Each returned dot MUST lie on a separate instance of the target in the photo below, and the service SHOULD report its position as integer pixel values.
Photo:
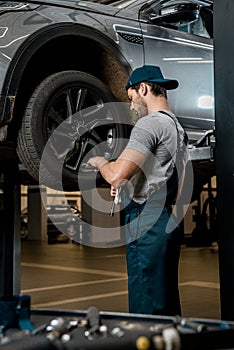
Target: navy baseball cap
(150, 74)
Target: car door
(178, 38)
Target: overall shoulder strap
(185, 138)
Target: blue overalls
(153, 255)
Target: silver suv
(66, 62)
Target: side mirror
(177, 14)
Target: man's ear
(143, 89)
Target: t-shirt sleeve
(142, 138)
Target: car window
(193, 17)
(203, 26)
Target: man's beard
(135, 115)
(142, 109)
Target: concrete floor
(75, 277)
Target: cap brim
(168, 84)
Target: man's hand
(117, 173)
(97, 162)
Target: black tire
(60, 96)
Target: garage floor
(70, 276)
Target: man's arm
(120, 171)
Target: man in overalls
(147, 171)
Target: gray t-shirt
(155, 136)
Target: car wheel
(75, 112)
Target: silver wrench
(116, 201)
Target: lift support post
(10, 244)
(224, 107)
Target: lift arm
(202, 150)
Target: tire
(77, 105)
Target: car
(64, 222)
(65, 63)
